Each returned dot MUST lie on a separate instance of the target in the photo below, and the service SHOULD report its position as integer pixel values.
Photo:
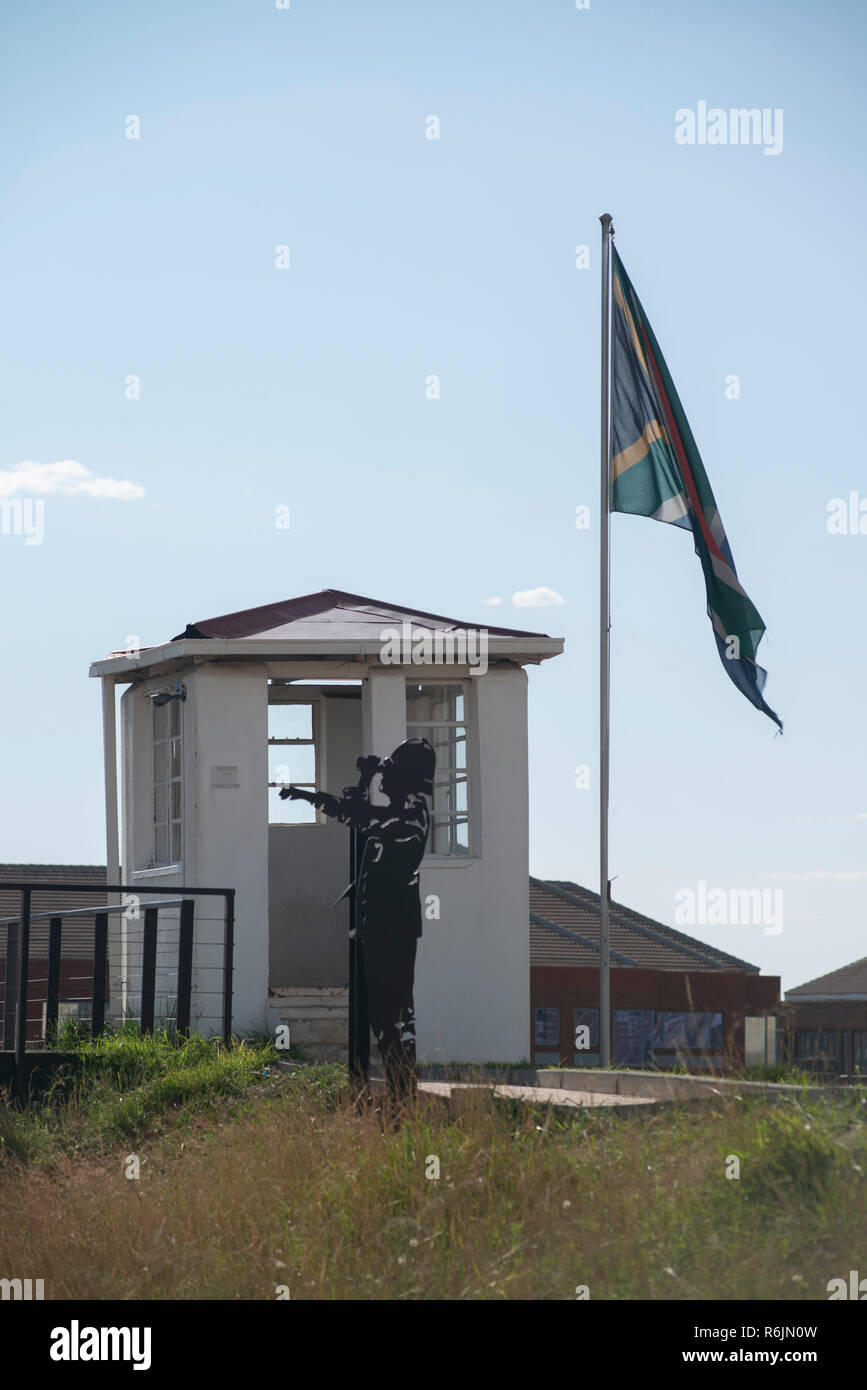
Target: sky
(169, 382)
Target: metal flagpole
(604, 652)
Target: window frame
(546, 1042)
(688, 1048)
(587, 1057)
(295, 697)
(171, 822)
(817, 1053)
(416, 728)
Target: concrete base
(463, 1096)
(318, 1020)
(650, 1085)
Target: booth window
(439, 714)
(168, 799)
(292, 757)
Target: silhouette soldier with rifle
(387, 892)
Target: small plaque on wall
(224, 777)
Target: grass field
(255, 1182)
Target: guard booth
(215, 720)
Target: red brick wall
(730, 993)
(842, 1017)
(76, 982)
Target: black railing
(359, 1027)
(18, 993)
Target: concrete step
(318, 1019)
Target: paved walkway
(539, 1095)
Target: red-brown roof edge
(308, 604)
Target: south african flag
(657, 471)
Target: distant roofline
(646, 926)
(817, 988)
(796, 998)
(47, 868)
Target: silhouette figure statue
(387, 888)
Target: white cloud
(836, 820)
(68, 477)
(492, 602)
(822, 876)
(537, 598)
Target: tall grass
(120, 1085)
(286, 1184)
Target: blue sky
(305, 388)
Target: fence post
(148, 970)
(10, 994)
(185, 968)
(23, 975)
(228, 963)
(52, 988)
(359, 1025)
(100, 956)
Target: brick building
(674, 1000)
(826, 1028)
(76, 954)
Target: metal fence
(162, 952)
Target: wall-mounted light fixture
(168, 693)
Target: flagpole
(604, 652)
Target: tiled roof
(77, 935)
(330, 613)
(564, 930)
(849, 979)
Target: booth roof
(331, 615)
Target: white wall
(228, 825)
(224, 726)
(472, 992)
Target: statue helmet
(413, 761)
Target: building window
(859, 1050)
(588, 1018)
(546, 1031)
(815, 1044)
(828, 1043)
(168, 772)
(292, 757)
(633, 1037)
(588, 1054)
(689, 1032)
(439, 714)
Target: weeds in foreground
(285, 1185)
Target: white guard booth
(294, 692)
